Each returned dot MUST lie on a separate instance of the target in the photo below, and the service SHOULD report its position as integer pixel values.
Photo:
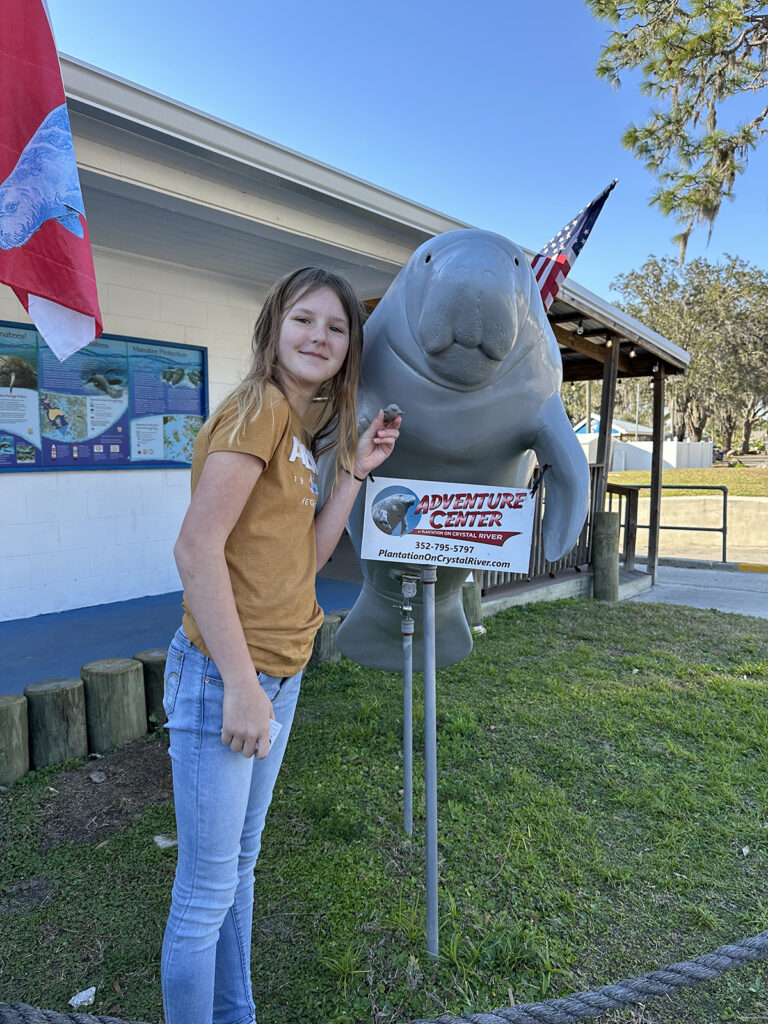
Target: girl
(247, 554)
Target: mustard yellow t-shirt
(271, 549)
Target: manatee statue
(43, 185)
(461, 341)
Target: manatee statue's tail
(369, 633)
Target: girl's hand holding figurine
(376, 444)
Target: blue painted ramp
(57, 645)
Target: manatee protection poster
(114, 404)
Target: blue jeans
(221, 802)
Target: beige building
(191, 220)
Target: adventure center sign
(463, 525)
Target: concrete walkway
(726, 590)
(54, 646)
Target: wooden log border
(15, 747)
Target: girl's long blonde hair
(337, 420)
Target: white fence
(637, 454)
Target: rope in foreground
(552, 1011)
(635, 990)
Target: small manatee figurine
(462, 341)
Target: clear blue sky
(488, 111)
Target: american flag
(552, 264)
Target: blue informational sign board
(119, 403)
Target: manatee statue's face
(466, 295)
(18, 216)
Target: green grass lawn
(603, 786)
(748, 482)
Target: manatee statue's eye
(428, 257)
(517, 262)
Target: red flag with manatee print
(45, 250)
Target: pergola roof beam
(600, 353)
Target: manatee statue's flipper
(370, 633)
(567, 480)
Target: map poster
(114, 404)
(167, 402)
(84, 406)
(464, 525)
(19, 404)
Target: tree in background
(634, 400)
(656, 295)
(694, 56)
(743, 385)
(719, 314)
(626, 405)
(573, 395)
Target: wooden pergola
(598, 341)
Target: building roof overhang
(585, 326)
(164, 181)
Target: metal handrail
(630, 493)
(622, 491)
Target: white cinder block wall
(77, 538)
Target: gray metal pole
(407, 624)
(428, 579)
